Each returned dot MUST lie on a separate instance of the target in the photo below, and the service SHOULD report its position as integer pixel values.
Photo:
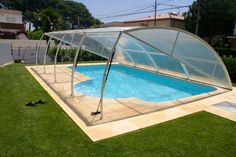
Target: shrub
(230, 63)
(17, 61)
(35, 35)
(67, 55)
(222, 41)
(226, 52)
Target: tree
(76, 15)
(217, 17)
(53, 14)
(49, 20)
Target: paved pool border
(114, 128)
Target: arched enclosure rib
(55, 57)
(74, 63)
(106, 74)
(37, 51)
(45, 55)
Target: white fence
(5, 54)
(22, 49)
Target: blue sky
(104, 8)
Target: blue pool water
(125, 82)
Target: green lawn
(47, 131)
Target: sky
(102, 9)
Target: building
(167, 20)
(113, 24)
(11, 24)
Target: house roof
(13, 26)
(159, 17)
(7, 11)
(15, 31)
(112, 24)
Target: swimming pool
(125, 82)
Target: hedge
(228, 55)
(230, 63)
(34, 35)
(226, 51)
(67, 55)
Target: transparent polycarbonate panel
(67, 38)
(219, 73)
(162, 39)
(198, 55)
(128, 58)
(206, 66)
(76, 39)
(106, 52)
(136, 51)
(104, 30)
(102, 41)
(196, 76)
(168, 65)
(57, 36)
(139, 58)
(92, 46)
(129, 43)
(192, 51)
(105, 41)
(122, 57)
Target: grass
(234, 84)
(47, 131)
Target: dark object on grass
(95, 113)
(41, 102)
(17, 61)
(33, 104)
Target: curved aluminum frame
(37, 51)
(45, 55)
(74, 63)
(55, 57)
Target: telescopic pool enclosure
(165, 50)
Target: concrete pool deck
(122, 115)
